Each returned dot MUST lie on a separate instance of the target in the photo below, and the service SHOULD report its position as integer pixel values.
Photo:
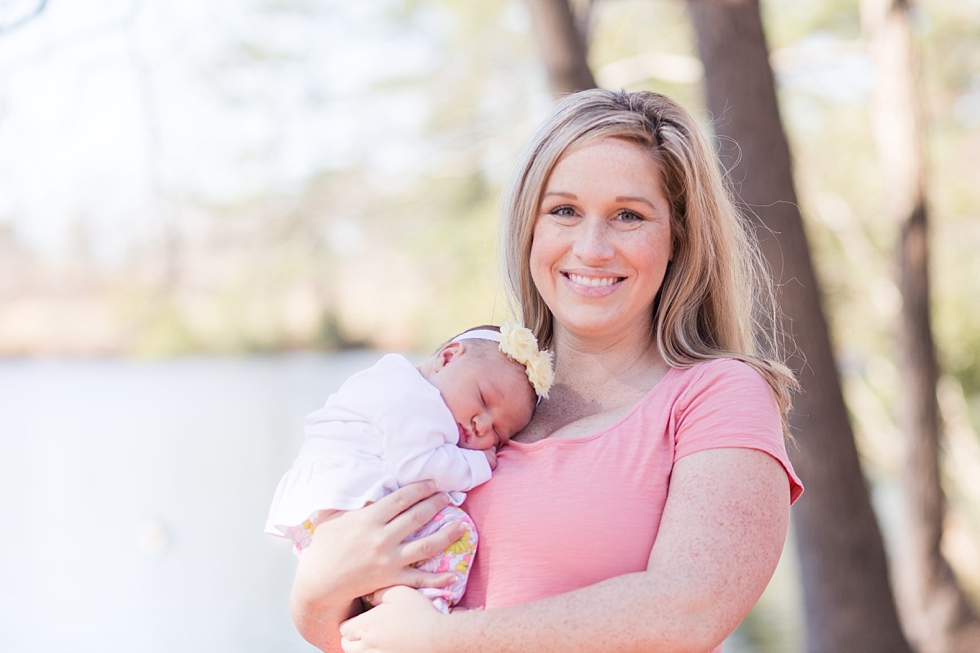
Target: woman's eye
(563, 211)
(629, 216)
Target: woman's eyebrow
(631, 198)
(561, 193)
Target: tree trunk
(935, 611)
(562, 46)
(847, 594)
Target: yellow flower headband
(520, 345)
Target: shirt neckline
(592, 436)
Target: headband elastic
(478, 334)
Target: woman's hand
(356, 553)
(403, 621)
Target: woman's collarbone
(570, 419)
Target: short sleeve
(731, 405)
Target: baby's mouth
(464, 434)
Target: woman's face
(602, 240)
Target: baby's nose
(481, 423)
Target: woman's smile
(591, 285)
(592, 282)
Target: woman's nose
(592, 244)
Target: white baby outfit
(386, 427)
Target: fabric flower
(540, 373)
(520, 344)
(517, 342)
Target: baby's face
(488, 394)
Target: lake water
(133, 496)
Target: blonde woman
(645, 506)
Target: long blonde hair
(716, 300)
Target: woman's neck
(627, 358)
(596, 383)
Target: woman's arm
(722, 531)
(356, 553)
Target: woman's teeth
(595, 282)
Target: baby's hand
(491, 454)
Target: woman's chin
(601, 325)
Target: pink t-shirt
(564, 513)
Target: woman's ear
(448, 353)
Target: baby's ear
(449, 352)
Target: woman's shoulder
(723, 387)
(717, 376)
(716, 396)
(727, 403)
(724, 398)
(720, 367)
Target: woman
(645, 506)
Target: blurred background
(213, 212)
